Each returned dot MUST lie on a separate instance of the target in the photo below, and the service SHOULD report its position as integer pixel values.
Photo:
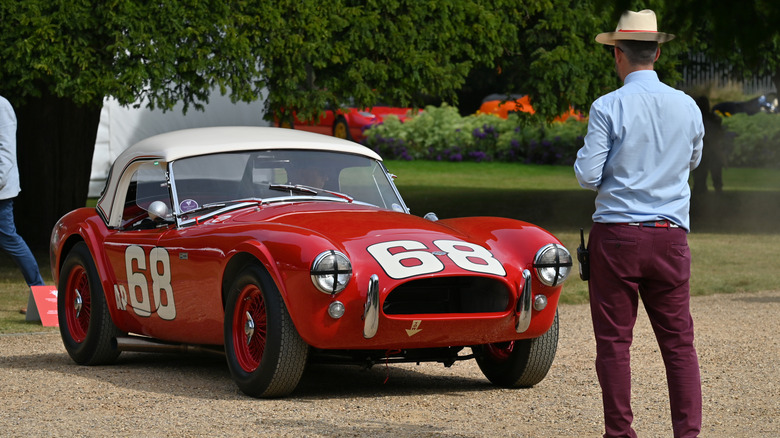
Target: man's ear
(657, 53)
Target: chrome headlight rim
(559, 266)
(331, 271)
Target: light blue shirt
(643, 140)
(9, 173)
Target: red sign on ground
(46, 302)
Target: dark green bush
(755, 140)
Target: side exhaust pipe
(148, 345)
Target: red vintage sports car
(278, 247)
(348, 123)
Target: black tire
(86, 327)
(268, 360)
(519, 364)
(341, 128)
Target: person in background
(643, 141)
(713, 155)
(10, 241)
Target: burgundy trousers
(626, 262)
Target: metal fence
(701, 72)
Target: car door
(143, 291)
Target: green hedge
(755, 140)
(442, 134)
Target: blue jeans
(15, 246)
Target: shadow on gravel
(760, 300)
(207, 376)
(349, 381)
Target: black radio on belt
(584, 258)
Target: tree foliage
(744, 35)
(62, 57)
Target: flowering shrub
(442, 134)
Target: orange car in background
(501, 105)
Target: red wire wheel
(78, 303)
(87, 331)
(250, 328)
(500, 351)
(265, 354)
(518, 364)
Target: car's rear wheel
(519, 364)
(86, 328)
(341, 128)
(265, 354)
(286, 121)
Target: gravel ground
(45, 394)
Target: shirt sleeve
(7, 142)
(698, 140)
(591, 158)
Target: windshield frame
(377, 171)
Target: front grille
(448, 295)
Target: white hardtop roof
(203, 141)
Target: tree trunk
(55, 143)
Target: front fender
(517, 242)
(287, 259)
(81, 225)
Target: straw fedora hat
(637, 26)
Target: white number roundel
(138, 285)
(471, 257)
(409, 258)
(408, 263)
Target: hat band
(623, 30)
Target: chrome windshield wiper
(220, 207)
(293, 188)
(205, 207)
(308, 190)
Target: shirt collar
(641, 75)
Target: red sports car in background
(347, 123)
(278, 248)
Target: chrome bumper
(371, 309)
(524, 304)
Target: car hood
(346, 223)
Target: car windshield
(211, 182)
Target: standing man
(10, 241)
(642, 142)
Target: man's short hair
(638, 52)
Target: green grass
(13, 295)
(734, 238)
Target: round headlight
(331, 272)
(553, 264)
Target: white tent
(123, 126)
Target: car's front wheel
(265, 353)
(519, 364)
(86, 327)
